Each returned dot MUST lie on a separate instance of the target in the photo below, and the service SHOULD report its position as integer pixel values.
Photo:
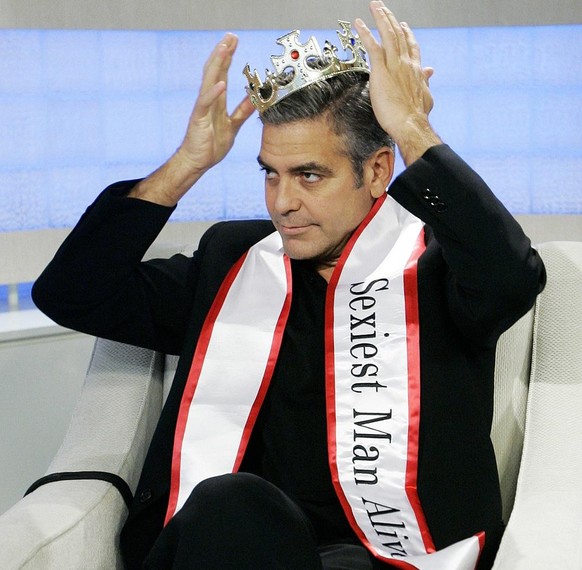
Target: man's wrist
(169, 183)
(414, 138)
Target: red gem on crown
(294, 54)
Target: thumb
(242, 112)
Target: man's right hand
(210, 134)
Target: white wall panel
(241, 14)
(40, 380)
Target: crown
(304, 64)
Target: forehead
(300, 140)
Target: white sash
(372, 383)
(373, 391)
(231, 369)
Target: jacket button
(428, 194)
(434, 200)
(145, 496)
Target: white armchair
(537, 433)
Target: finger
(208, 98)
(228, 42)
(412, 44)
(373, 48)
(242, 112)
(212, 94)
(218, 63)
(389, 28)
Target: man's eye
(311, 177)
(269, 174)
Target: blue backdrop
(81, 109)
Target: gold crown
(294, 69)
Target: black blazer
(477, 276)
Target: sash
(373, 392)
(372, 383)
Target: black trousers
(242, 522)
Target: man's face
(310, 190)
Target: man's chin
(298, 253)
(304, 254)
(298, 256)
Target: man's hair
(344, 100)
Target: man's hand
(399, 90)
(211, 131)
(210, 134)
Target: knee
(230, 484)
(228, 489)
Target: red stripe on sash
(413, 344)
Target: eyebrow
(306, 167)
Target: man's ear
(378, 171)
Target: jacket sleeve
(98, 284)
(494, 275)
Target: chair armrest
(544, 527)
(76, 524)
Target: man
(332, 406)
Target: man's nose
(287, 199)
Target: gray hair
(344, 100)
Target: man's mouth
(293, 230)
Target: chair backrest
(170, 365)
(512, 373)
(521, 345)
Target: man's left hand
(399, 89)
